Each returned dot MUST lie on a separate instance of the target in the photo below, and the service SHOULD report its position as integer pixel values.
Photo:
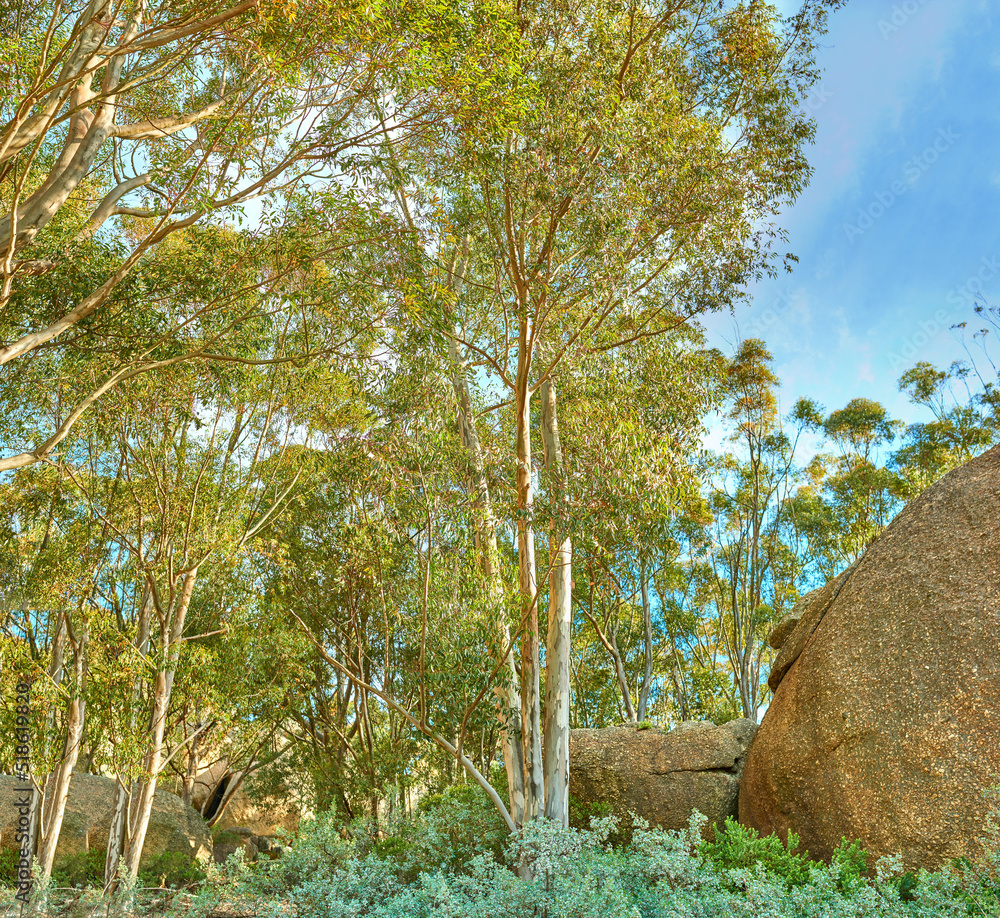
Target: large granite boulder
(174, 827)
(885, 723)
(661, 776)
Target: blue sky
(900, 226)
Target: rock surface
(173, 826)
(793, 633)
(885, 723)
(661, 776)
(782, 631)
(264, 817)
(241, 838)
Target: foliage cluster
(736, 847)
(272, 493)
(578, 873)
(170, 870)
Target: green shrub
(741, 847)
(580, 813)
(9, 860)
(170, 870)
(906, 887)
(85, 868)
(447, 832)
(576, 873)
(852, 861)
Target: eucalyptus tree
(851, 494)
(963, 423)
(755, 576)
(381, 568)
(632, 476)
(203, 464)
(636, 186)
(232, 686)
(854, 493)
(123, 122)
(700, 684)
(193, 270)
(352, 576)
(54, 554)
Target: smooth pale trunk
(509, 701)
(42, 789)
(116, 833)
(647, 643)
(558, 639)
(124, 791)
(142, 805)
(531, 724)
(622, 678)
(57, 790)
(508, 698)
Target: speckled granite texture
(885, 727)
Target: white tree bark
(531, 723)
(558, 645)
(57, 786)
(170, 645)
(124, 789)
(507, 695)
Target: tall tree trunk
(616, 655)
(647, 642)
(57, 790)
(57, 655)
(558, 639)
(116, 833)
(170, 646)
(531, 726)
(124, 789)
(508, 697)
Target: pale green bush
(578, 874)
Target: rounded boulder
(885, 723)
(174, 827)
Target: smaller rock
(174, 827)
(222, 851)
(661, 777)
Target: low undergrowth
(453, 859)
